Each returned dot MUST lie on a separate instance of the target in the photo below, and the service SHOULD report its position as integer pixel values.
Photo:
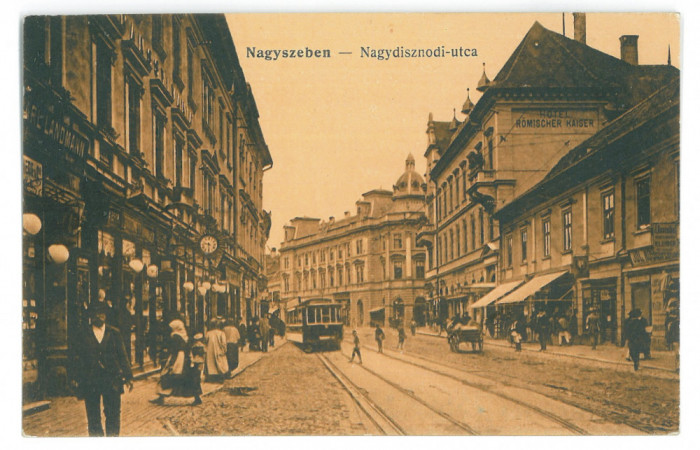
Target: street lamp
(136, 265)
(152, 271)
(58, 253)
(31, 223)
(188, 286)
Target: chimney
(628, 49)
(580, 27)
(347, 214)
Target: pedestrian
(564, 336)
(232, 337)
(102, 371)
(413, 327)
(542, 329)
(243, 332)
(593, 327)
(216, 366)
(635, 335)
(573, 327)
(672, 323)
(178, 377)
(402, 337)
(199, 355)
(518, 331)
(264, 332)
(356, 348)
(254, 335)
(379, 337)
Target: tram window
(325, 314)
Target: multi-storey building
(551, 94)
(272, 295)
(143, 163)
(601, 230)
(368, 261)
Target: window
(398, 242)
(360, 273)
(608, 215)
(464, 232)
(207, 100)
(523, 244)
(546, 237)
(331, 277)
(306, 259)
(567, 228)
(472, 225)
(643, 203)
(331, 255)
(491, 228)
(178, 163)
(464, 187)
(420, 269)
(340, 252)
(190, 71)
(177, 51)
(458, 241)
(103, 88)
(159, 143)
(323, 256)
(488, 164)
(193, 172)
(451, 196)
(452, 245)
(358, 246)
(158, 31)
(134, 116)
(398, 270)
(286, 262)
(313, 258)
(340, 276)
(481, 227)
(313, 280)
(509, 251)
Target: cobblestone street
(648, 401)
(288, 393)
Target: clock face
(209, 244)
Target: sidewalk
(66, 415)
(662, 360)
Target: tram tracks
(563, 422)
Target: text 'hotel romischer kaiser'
(558, 190)
(143, 163)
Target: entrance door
(641, 299)
(360, 313)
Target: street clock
(208, 244)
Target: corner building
(551, 94)
(140, 139)
(368, 261)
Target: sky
(341, 126)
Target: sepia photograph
(350, 224)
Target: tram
(315, 323)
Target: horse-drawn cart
(466, 333)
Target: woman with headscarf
(177, 377)
(216, 363)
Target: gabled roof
(545, 59)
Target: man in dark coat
(102, 370)
(635, 335)
(542, 329)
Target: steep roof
(545, 59)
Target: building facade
(552, 94)
(143, 168)
(368, 261)
(601, 231)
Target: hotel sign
(563, 120)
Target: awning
(381, 308)
(497, 292)
(531, 287)
(481, 286)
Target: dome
(410, 182)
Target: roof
(547, 61)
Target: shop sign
(32, 176)
(664, 238)
(54, 127)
